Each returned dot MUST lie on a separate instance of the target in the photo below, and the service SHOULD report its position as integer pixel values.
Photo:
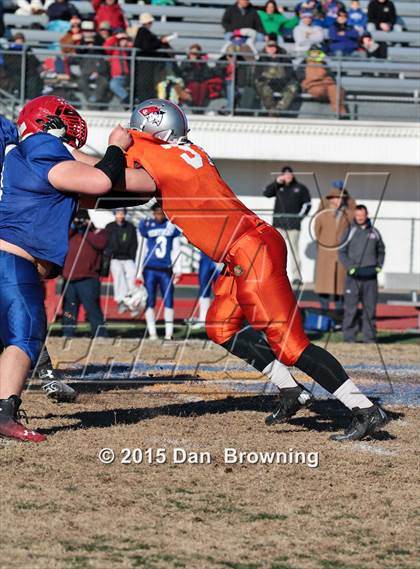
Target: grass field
(62, 508)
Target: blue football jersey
(33, 214)
(160, 237)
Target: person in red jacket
(81, 274)
(118, 47)
(109, 11)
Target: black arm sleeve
(112, 164)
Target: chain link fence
(234, 83)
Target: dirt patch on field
(62, 508)
(80, 352)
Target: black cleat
(364, 423)
(53, 387)
(59, 391)
(291, 400)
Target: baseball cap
(306, 14)
(287, 169)
(338, 184)
(105, 26)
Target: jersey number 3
(190, 156)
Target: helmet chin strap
(55, 126)
(58, 132)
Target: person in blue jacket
(356, 17)
(343, 39)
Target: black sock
(322, 367)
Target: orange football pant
(257, 289)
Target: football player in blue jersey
(157, 268)
(42, 176)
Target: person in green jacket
(275, 21)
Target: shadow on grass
(327, 415)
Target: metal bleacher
(372, 86)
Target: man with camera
(81, 275)
(362, 254)
(292, 204)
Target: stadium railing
(383, 89)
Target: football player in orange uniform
(254, 285)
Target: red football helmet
(40, 115)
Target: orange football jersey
(192, 193)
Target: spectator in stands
(334, 216)
(330, 9)
(275, 80)
(146, 41)
(239, 78)
(343, 39)
(382, 16)
(118, 47)
(73, 37)
(33, 83)
(293, 203)
(149, 45)
(319, 83)
(109, 11)
(88, 32)
(61, 10)
(362, 255)
(373, 48)
(276, 22)
(81, 274)
(306, 34)
(356, 17)
(308, 6)
(242, 16)
(29, 8)
(315, 8)
(94, 72)
(103, 33)
(171, 86)
(122, 250)
(196, 75)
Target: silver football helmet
(162, 119)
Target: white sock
(204, 304)
(351, 396)
(169, 322)
(279, 374)
(150, 321)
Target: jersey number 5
(190, 156)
